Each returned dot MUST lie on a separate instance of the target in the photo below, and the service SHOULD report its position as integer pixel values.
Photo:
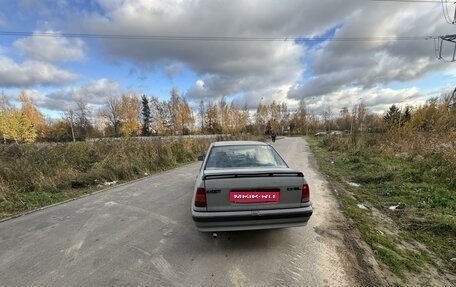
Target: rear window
(244, 156)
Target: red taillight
(200, 198)
(305, 193)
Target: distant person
(273, 136)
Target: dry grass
(36, 175)
(416, 170)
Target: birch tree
(129, 115)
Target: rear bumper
(251, 220)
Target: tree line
(131, 115)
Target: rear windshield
(243, 156)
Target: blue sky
(56, 71)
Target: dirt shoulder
(360, 263)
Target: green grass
(13, 204)
(386, 180)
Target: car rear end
(248, 198)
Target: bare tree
(82, 115)
(111, 112)
(284, 117)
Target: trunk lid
(252, 189)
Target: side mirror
(201, 157)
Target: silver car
(246, 185)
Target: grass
(420, 184)
(37, 175)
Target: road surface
(141, 234)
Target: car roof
(233, 143)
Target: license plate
(254, 196)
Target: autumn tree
(435, 115)
(274, 110)
(313, 122)
(211, 119)
(299, 118)
(5, 114)
(60, 131)
(160, 116)
(174, 106)
(33, 115)
(186, 117)
(261, 118)
(5, 108)
(239, 118)
(224, 115)
(374, 123)
(361, 117)
(21, 125)
(345, 119)
(129, 115)
(16, 126)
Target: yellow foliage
(435, 116)
(128, 114)
(29, 110)
(15, 126)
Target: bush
(26, 171)
(432, 154)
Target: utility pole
(70, 114)
(447, 13)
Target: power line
(212, 38)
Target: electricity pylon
(439, 47)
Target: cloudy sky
(374, 52)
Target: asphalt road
(141, 234)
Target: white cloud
(32, 73)
(336, 73)
(95, 93)
(259, 69)
(51, 49)
(227, 68)
(377, 99)
(173, 69)
(341, 65)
